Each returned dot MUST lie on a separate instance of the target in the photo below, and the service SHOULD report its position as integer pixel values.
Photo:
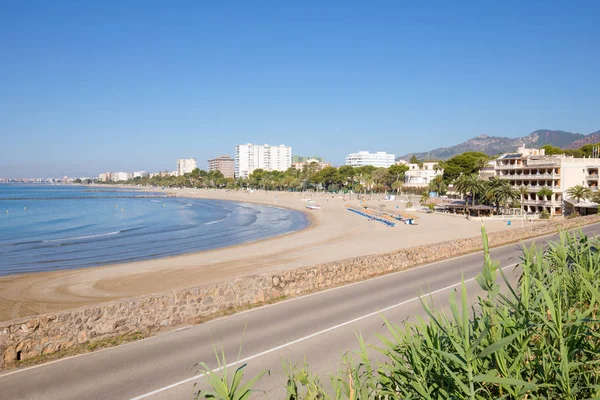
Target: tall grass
(538, 339)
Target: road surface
(319, 328)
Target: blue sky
(87, 87)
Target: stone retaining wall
(46, 334)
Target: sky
(87, 87)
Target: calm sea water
(46, 228)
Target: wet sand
(333, 234)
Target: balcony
(509, 166)
(592, 177)
(536, 188)
(530, 176)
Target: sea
(53, 227)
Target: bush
(539, 339)
(409, 204)
(545, 215)
(573, 215)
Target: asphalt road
(318, 328)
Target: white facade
(121, 176)
(140, 174)
(249, 157)
(419, 176)
(380, 159)
(186, 165)
(532, 169)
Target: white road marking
(302, 339)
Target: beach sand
(334, 234)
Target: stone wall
(46, 334)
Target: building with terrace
(420, 175)
(546, 178)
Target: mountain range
(494, 145)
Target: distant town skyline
(90, 87)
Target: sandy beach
(333, 234)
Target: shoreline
(332, 234)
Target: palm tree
(523, 191)
(438, 185)
(579, 193)
(469, 184)
(424, 198)
(545, 193)
(503, 193)
(397, 186)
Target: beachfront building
(185, 166)
(141, 174)
(121, 176)
(489, 171)
(249, 157)
(550, 175)
(300, 163)
(223, 164)
(105, 177)
(380, 159)
(419, 175)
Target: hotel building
(380, 159)
(532, 169)
(420, 176)
(224, 164)
(300, 162)
(186, 165)
(249, 157)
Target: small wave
(82, 237)
(156, 201)
(217, 221)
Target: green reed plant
(536, 339)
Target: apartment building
(121, 176)
(306, 161)
(420, 175)
(380, 159)
(141, 174)
(249, 157)
(551, 175)
(224, 164)
(186, 165)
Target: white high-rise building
(186, 165)
(380, 159)
(249, 157)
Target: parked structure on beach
(249, 157)
(380, 159)
(546, 178)
(419, 175)
(223, 164)
(186, 165)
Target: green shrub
(545, 215)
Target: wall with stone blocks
(45, 334)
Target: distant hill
(493, 145)
(592, 138)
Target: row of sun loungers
(373, 215)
